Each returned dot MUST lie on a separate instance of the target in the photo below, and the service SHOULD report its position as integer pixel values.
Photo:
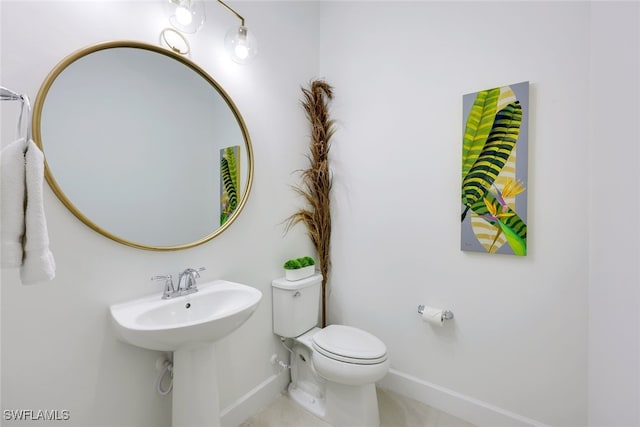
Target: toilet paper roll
(432, 315)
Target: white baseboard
(467, 408)
(255, 400)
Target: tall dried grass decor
(316, 180)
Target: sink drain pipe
(167, 369)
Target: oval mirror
(143, 145)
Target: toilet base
(308, 401)
(343, 406)
(350, 406)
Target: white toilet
(333, 370)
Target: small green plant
(296, 263)
(307, 261)
(292, 264)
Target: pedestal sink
(188, 325)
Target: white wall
(58, 350)
(519, 339)
(614, 261)
(527, 343)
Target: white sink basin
(217, 309)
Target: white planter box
(300, 273)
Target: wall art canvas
(229, 181)
(494, 170)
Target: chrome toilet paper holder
(446, 314)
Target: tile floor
(395, 411)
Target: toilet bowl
(333, 370)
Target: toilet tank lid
(283, 283)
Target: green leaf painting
(229, 181)
(494, 170)
(478, 126)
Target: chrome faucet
(186, 283)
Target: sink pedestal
(196, 401)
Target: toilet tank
(295, 305)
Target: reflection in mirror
(143, 145)
(175, 41)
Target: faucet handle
(194, 272)
(168, 285)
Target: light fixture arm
(232, 11)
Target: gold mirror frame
(37, 113)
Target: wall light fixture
(240, 43)
(187, 16)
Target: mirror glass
(143, 145)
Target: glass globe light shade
(183, 15)
(187, 16)
(241, 44)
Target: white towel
(38, 264)
(27, 238)
(12, 193)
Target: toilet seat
(350, 345)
